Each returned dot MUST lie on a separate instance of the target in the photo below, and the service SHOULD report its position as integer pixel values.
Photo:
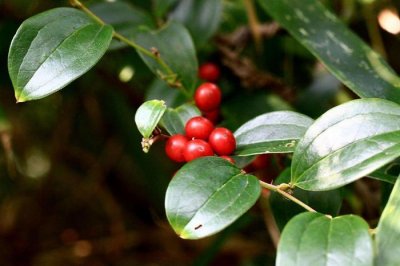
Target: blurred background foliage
(75, 186)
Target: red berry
(261, 161)
(175, 146)
(222, 141)
(213, 116)
(209, 72)
(197, 148)
(207, 97)
(198, 127)
(229, 159)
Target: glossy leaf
(208, 194)
(124, 17)
(314, 239)
(201, 17)
(327, 202)
(52, 49)
(174, 120)
(343, 53)
(275, 132)
(175, 46)
(346, 143)
(388, 231)
(148, 115)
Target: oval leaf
(388, 230)
(124, 17)
(174, 120)
(175, 46)
(314, 239)
(328, 202)
(342, 52)
(52, 49)
(275, 132)
(148, 115)
(347, 143)
(201, 27)
(208, 194)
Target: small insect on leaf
(198, 227)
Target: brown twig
(269, 219)
(253, 23)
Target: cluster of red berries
(201, 137)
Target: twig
(269, 219)
(279, 190)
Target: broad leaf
(343, 53)
(52, 49)
(314, 239)
(327, 202)
(201, 17)
(125, 19)
(174, 120)
(275, 132)
(208, 194)
(346, 143)
(148, 115)
(388, 231)
(174, 45)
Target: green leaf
(275, 132)
(175, 47)
(388, 231)
(208, 194)
(314, 239)
(160, 90)
(161, 7)
(328, 202)
(174, 120)
(346, 143)
(389, 173)
(52, 49)
(201, 17)
(342, 52)
(123, 17)
(148, 115)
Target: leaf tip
(187, 235)
(20, 99)
(20, 96)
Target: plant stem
(141, 49)
(253, 23)
(269, 219)
(286, 195)
(78, 4)
(153, 55)
(373, 29)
